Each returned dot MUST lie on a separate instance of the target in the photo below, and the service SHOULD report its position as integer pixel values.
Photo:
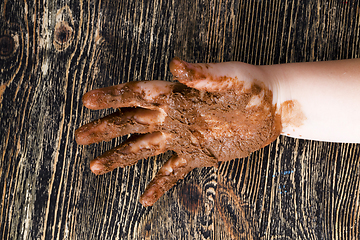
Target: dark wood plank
(52, 52)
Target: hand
(216, 112)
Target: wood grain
(52, 52)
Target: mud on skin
(203, 118)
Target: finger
(132, 94)
(173, 170)
(129, 152)
(211, 77)
(123, 122)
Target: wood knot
(190, 196)
(64, 32)
(63, 35)
(7, 45)
(148, 230)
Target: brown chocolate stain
(292, 114)
(206, 127)
(225, 127)
(190, 197)
(256, 89)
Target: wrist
(288, 108)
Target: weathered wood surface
(52, 52)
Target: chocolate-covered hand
(216, 112)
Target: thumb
(210, 77)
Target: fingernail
(96, 167)
(178, 68)
(79, 137)
(90, 99)
(147, 198)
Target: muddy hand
(216, 112)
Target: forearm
(318, 100)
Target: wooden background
(52, 52)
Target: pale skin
(221, 111)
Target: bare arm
(319, 100)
